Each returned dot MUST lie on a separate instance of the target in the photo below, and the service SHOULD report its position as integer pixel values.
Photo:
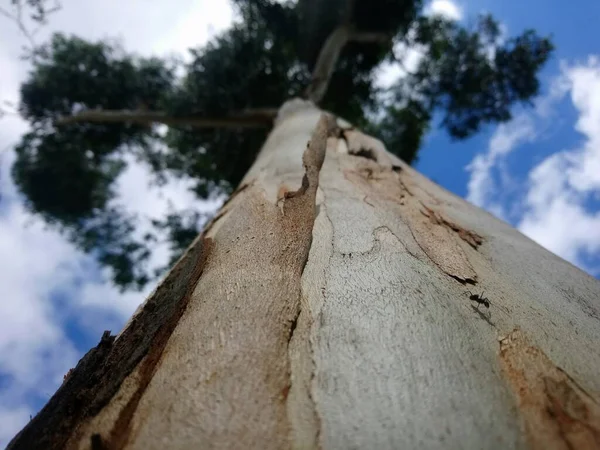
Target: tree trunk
(328, 307)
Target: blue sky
(540, 172)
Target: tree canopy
(220, 110)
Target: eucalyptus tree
(334, 300)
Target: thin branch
(17, 18)
(57, 7)
(326, 62)
(252, 118)
(4, 113)
(6, 13)
(330, 53)
(370, 37)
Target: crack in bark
(462, 281)
(303, 416)
(365, 153)
(96, 442)
(313, 157)
(142, 345)
(316, 414)
(405, 187)
(293, 326)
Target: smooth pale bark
(338, 317)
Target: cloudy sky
(540, 172)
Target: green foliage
(473, 79)
(402, 128)
(109, 237)
(67, 173)
(247, 67)
(71, 73)
(469, 77)
(315, 19)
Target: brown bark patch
(557, 413)
(268, 243)
(283, 190)
(121, 430)
(99, 374)
(470, 237)
(360, 144)
(225, 375)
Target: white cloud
(34, 349)
(446, 8)
(409, 57)
(556, 209)
(584, 173)
(11, 419)
(44, 280)
(155, 203)
(505, 139)
(526, 126)
(556, 215)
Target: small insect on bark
(480, 299)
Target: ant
(480, 299)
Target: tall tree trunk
(328, 307)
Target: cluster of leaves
(67, 173)
(261, 62)
(470, 76)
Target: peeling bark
(100, 373)
(558, 413)
(436, 239)
(326, 306)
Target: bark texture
(327, 306)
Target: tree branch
(330, 53)
(370, 37)
(251, 118)
(326, 62)
(17, 18)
